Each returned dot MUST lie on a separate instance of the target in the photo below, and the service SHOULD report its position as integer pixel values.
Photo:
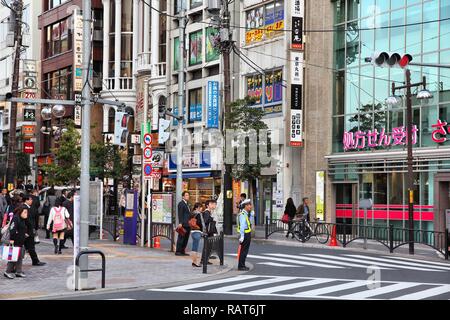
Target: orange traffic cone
(333, 241)
(157, 243)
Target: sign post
(365, 204)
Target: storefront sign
(193, 161)
(29, 115)
(161, 208)
(29, 75)
(135, 138)
(77, 115)
(297, 33)
(212, 52)
(297, 68)
(213, 104)
(137, 160)
(28, 131)
(78, 51)
(274, 87)
(296, 128)
(264, 22)
(298, 8)
(28, 147)
(440, 131)
(320, 195)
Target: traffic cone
(157, 243)
(333, 241)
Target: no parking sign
(147, 139)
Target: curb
(227, 267)
(437, 255)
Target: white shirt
(52, 216)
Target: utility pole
(181, 93)
(85, 140)
(144, 182)
(17, 7)
(226, 45)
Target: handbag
(285, 218)
(193, 222)
(10, 253)
(181, 230)
(5, 233)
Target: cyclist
(303, 209)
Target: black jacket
(301, 211)
(69, 206)
(18, 229)
(207, 217)
(32, 213)
(184, 214)
(290, 210)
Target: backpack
(58, 220)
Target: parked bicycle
(303, 231)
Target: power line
(159, 11)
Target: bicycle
(302, 231)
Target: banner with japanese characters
(296, 121)
(298, 8)
(78, 51)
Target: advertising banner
(78, 51)
(213, 104)
(161, 208)
(176, 54)
(296, 67)
(296, 128)
(212, 53)
(297, 33)
(320, 195)
(195, 47)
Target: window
(54, 3)
(195, 105)
(195, 47)
(196, 3)
(264, 22)
(59, 84)
(58, 38)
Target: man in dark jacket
(68, 204)
(183, 219)
(303, 209)
(29, 241)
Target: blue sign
(175, 111)
(213, 104)
(148, 169)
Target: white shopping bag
(10, 253)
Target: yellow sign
(10, 186)
(229, 194)
(411, 196)
(128, 214)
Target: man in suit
(29, 242)
(183, 219)
(68, 204)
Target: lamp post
(394, 101)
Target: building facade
(368, 148)
(28, 81)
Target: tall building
(28, 81)
(368, 143)
(60, 25)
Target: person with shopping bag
(15, 251)
(57, 224)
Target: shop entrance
(346, 202)
(441, 200)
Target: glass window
(431, 30)
(212, 52)
(195, 47)
(380, 188)
(445, 25)
(395, 4)
(126, 47)
(444, 79)
(351, 92)
(382, 88)
(367, 37)
(352, 44)
(396, 188)
(339, 90)
(196, 3)
(338, 133)
(397, 35)
(429, 117)
(339, 45)
(339, 11)
(195, 105)
(382, 35)
(352, 9)
(366, 85)
(383, 5)
(414, 32)
(368, 8)
(127, 16)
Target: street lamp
(423, 95)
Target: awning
(189, 175)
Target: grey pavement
(279, 238)
(126, 267)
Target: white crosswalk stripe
(437, 268)
(274, 264)
(442, 264)
(317, 288)
(290, 261)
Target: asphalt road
(286, 273)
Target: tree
(245, 117)
(66, 167)
(23, 168)
(106, 162)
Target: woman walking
(17, 234)
(49, 203)
(290, 210)
(197, 230)
(57, 222)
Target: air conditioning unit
(214, 6)
(10, 40)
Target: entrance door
(346, 202)
(441, 200)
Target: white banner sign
(298, 8)
(296, 67)
(296, 128)
(76, 226)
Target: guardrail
(77, 264)
(212, 244)
(389, 236)
(111, 224)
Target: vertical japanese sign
(320, 195)
(297, 24)
(78, 51)
(213, 104)
(296, 121)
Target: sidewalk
(126, 267)
(279, 238)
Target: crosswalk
(347, 261)
(316, 288)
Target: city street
(284, 272)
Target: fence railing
(389, 236)
(111, 224)
(102, 270)
(212, 244)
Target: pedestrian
(242, 198)
(57, 224)
(290, 210)
(197, 230)
(183, 222)
(18, 234)
(63, 196)
(36, 204)
(68, 204)
(244, 228)
(210, 223)
(303, 209)
(48, 204)
(29, 241)
(3, 202)
(29, 186)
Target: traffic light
(163, 136)
(162, 107)
(121, 128)
(388, 59)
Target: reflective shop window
(383, 5)
(368, 8)
(431, 30)
(429, 116)
(397, 38)
(445, 25)
(339, 48)
(366, 85)
(414, 32)
(351, 91)
(352, 9)
(339, 89)
(444, 79)
(338, 132)
(339, 11)
(352, 57)
(395, 4)
(367, 37)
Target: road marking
(304, 263)
(372, 262)
(274, 264)
(213, 282)
(302, 257)
(121, 299)
(291, 286)
(381, 290)
(400, 262)
(425, 293)
(326, 290)
(247, 284)
(422, 261)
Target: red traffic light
(405, 60)
(394, 59)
